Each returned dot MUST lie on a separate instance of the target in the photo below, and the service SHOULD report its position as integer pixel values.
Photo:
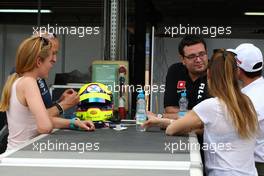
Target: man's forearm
(171, 112)
(171, 109)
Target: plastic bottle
(183, 104)
(121, 108)
(141, 115)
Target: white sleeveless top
(21, 122)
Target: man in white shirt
(250, 62)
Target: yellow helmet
(96, 102)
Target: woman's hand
(85, 125)
(69, 98)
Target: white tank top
(21, 122)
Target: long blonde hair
(26, 59)
(223, 83)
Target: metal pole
(106, 38)
(125, 31)
(39, 13)
(152, 67)
(113, 29)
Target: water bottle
(183, 104)
(141, 115)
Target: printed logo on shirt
(181, 84)
(42, 87)
(201, 90)
(41, 84)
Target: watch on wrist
(59, 107)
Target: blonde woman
(229, 120)
(26, 113)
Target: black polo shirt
(45, 94)
(178, 80)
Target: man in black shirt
(189, 76)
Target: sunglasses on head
(44, 41)
(224, 52)
(44, 34)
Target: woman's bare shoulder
(27, 82)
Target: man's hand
(173, 116)
(153, 120)
(171, 112)
(69, 98)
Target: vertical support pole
(114, 29)
(39, 13)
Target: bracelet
(59, 107)
(72, 125)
